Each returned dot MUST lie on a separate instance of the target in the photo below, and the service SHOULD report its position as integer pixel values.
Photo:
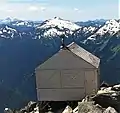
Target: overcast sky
(74, 10)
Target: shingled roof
(85, 55)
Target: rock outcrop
(32, 107)
(107, 100)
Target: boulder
(75, 110)
(110, 110)
(68, 109)
(109, 96)
(32, 107)
(89, 107)
(7, 110)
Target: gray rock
(32, 107)
(75, 110)
(108, 99)
(110, 110)
(68, 109)
(88, 107)
(7, 110)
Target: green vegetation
(116, 49)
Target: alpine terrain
(26, 44)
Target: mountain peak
(58, 18)
(111, 21)
(58, 26)
(111, 27)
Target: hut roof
(85, 55)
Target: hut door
(90, 82)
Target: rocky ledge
(106, 100)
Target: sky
(74, 10)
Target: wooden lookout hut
(68, 75)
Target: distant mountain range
(26, 44)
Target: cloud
(33, 8)
(37, 8)
(9, 10)
(35, 11)
(5, 7)
(78, 10)
(43, 8)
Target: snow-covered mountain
(19, 23)
(83, 33)
(22, 23)
(57, 27)
(60, 23)
(106, 36)
(8, 32)
(16, 32)
(6, 21)
(110, 28)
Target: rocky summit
(106, 100)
